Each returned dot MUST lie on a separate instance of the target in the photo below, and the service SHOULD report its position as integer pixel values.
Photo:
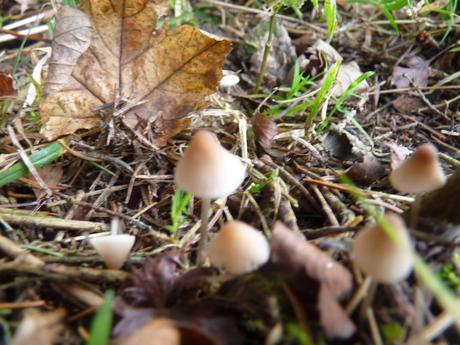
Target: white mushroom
(420, 173)
(208, 171)
(384, 259)
(114, 248)
(238, 248)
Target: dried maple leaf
(152, 77)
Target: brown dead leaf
(151, 76)
(336, 324)
(407, 104)
(416, 73)
(366, 172)
(51, 175)
(291, 251)
(163, 331)
(265, 130)
(6, 85)
(39, 328)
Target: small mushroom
(238, 248)
(420, 173)
(385, 259)
(114, 248)
(208, 171)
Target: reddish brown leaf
(6, 85)
(264, 130)
(366, 172)
(291, 251)
(151, 77)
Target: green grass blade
(39, 159)
(327, 84)
(330, 9)
(101, 326)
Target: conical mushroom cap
(238, 248)
(421, 173)
(379, 256)
(114, 249)
(207, 170)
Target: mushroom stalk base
(203, 244)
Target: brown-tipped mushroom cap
(379, 256)
(207, 169)
(238, 248)
(114, 249)
(421, 173)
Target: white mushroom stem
(203, 244)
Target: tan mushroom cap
(114, 249)
(420, 173)
(238, 248)
(207, 170)
(379, 256)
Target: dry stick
(27, 162)
(158, 235)
(358, 296)
(373, 327)
(293, 180)
(325, 206)
(14, 251)
(19, 305)
(434, 329)
(26, 218)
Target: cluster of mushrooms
(209, 171)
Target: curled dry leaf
(291, 251)
(265, 130)
(153, 77)
(39, 328)
(366, 172)
(336, 324)
(347, 74)
(398, 155)
(416, 73)
(6, 85)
